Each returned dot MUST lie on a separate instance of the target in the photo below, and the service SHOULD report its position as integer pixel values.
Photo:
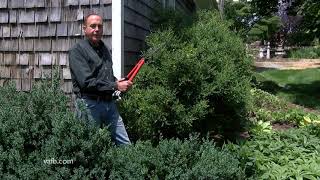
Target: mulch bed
(283, 126)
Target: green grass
(297, 86)
(309, 52)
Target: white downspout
(118, 38)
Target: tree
(239, 16)
(265, 28)
(310, 10)
(264, 8)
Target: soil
(283, 126)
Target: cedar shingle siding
(35, 35)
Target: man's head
(93, 28)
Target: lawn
(297, 86)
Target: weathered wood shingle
(63, 59)
(41, 16)
(16, 31)
(9, 58)
(80, 15)
(34, 3)
(105, 1)
(74, 29)
(29, 30)
(6, 31)
(5, 72)
(55, 14)
(94, 2)
(107, 28)
(15, 3)
(23, 59)
(3, 3)
(70, 15)
(1, 60)
(60, 45)
(4, 16)
(45, 59)
(66, 73)
(107, 12)
(43, 44)
(26, 44)
(55, 3)
(84, 2)
(13, 16)
(62, 29)
(71, 2)
(26, 16)
(47, 30)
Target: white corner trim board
(118, 37)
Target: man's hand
(123, 84)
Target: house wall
(35, 36)
(138, 17)
(137, 21)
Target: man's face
(93, 28)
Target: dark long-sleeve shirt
(91, 69)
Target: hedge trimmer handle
(131, 75)
(134, 71)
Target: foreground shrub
(37, 129)
(175, 159)
(197, 79)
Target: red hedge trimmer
(134, 71)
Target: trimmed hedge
(197, 79)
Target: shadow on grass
(306, 95)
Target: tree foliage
(265, 28)
(310, 10)
(264, 8)
(239, 16)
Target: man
(94, 82)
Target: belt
(107, 97)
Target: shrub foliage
(197, 78)
(38, 126)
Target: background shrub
(196, 79)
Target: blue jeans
(103, 112)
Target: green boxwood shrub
(197, 78)
(175, 159)
(37, 126)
